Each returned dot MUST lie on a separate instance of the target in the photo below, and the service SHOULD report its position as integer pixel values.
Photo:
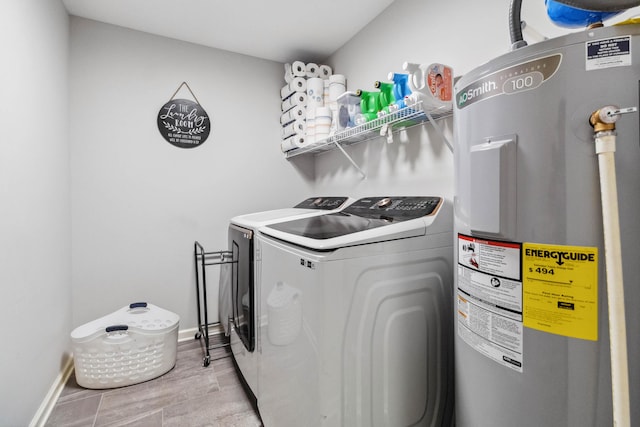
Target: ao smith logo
(482, 89)
(512, 80)
(561, 256)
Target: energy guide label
(561, 289)
(489, 298)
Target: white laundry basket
(134, 344)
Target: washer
(356, 316)
(237, 292)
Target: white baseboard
(42, 414)
(190, 334)
(44, 411)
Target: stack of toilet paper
(307, 97)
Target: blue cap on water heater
(571, 17)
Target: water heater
(532, 339)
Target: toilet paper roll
(315, 93)
(297, 84)
(322, 123)
(312, 70)
(287, 73)
(293, 142)
(325, 71)
(292, 115)
(336, 87)
(310, 133)
(297, 127)
(322, 112)
(338, 78)
(325, 94)
(298, 69)
(297, 99)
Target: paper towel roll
(337, 86)
(311, 126)
(315, 93)
(293, 142)
(322, 123)
(338, 78)
(325, 94)
(293, 114)
(325, 71)
(312, 70)
(296, 99)
(297, 127)
(297, 84)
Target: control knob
(383, 203)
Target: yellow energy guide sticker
(560, 289)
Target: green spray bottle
(387, 99)
(369, 106)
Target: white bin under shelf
(134, 344)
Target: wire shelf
(409, 116)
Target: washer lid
(368, 220)
(308, 207)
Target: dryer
(356, 316)
(237, 291)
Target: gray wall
(35, 282)
(417, 162)
(460, 33)
(98, 210)
(138, 202)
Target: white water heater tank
(532, 339)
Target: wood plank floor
(189, 395)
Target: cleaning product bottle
(416, 75)
(435, 90)
(386, 98)
(401, 88)
(369, 106)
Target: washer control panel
(396, 208)
(323, 203)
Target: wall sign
(184, 123)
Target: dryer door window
(242, 286)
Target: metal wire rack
(203, 259)
(407, 117)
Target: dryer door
(242, 286)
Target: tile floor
(189, 395)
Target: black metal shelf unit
(202, 259)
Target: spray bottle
(400, 88)
(386, 98)
(369, 106)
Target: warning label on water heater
(560, 286)
(489, 298)
(607, 53)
